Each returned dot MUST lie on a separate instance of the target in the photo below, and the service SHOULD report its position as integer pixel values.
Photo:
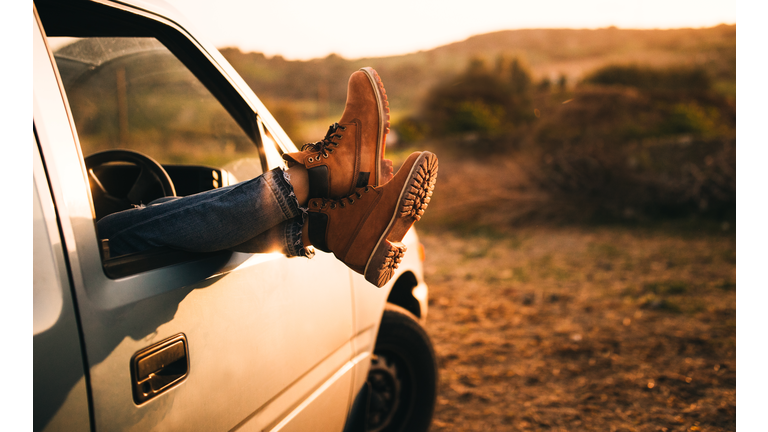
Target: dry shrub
(630, 143)
(621, 153)
(595, 116)
(586, 185)
(647, 180)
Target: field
(610, 328)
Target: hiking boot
(365, 229)
(349, 157)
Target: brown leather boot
(349, 157)
(365, 229)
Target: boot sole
(413, 201)
(383, 104)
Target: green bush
(621, 105)
(476, 116)
(410, 130)
(482, 102)
(691, 118)
(677, 79)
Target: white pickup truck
(175, 341)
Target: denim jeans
(258, 215)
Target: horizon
(306, 29)
(467, 38)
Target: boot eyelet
(325, 156)
(310, 160)
(351, 201)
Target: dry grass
(583, 329)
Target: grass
(548, 328)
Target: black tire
(403, 376)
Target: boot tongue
(291, 159)
(320, 145)
(298, 157)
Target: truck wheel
(403, 375)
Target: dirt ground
(609, 329)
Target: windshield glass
(134, 93)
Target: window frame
(94, 19)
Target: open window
(153, 114)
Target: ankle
(305, 234)
(299, 179)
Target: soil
(609, 329)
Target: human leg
(195, 223)
(297, 176)
(290, 236)
(266, 213)
(209, 221)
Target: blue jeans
(258, 215)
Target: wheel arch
(402, 294)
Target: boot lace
(342, 202)
(325, 146)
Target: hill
(320, 84)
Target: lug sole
(414, 199)
(383, 104)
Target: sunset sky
(304, 29)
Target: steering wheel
(151, 175)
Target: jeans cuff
(293, 237)
(283, 192)
(294, 246)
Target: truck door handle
(159, 367)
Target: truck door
(208, 342)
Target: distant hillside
(320, 84)
(649, 135)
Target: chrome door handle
(159, 367)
